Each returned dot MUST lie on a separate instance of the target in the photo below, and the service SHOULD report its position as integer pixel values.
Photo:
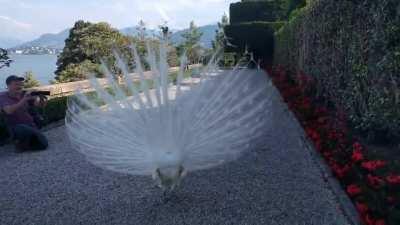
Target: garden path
(284, 183)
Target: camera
(39, 93)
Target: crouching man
(16, 105)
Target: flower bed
(371, 183)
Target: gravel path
(280, 184)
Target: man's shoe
(21, 146)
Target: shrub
(352, 50)
(55, 109)
(254, 11)
(30, 80)
(76, 72)
(257, 37)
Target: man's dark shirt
(20, 116)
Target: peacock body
(170, 129)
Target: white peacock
(171, 129)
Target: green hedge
(257, 36)
(55, 109)
(352, 50)
(254, 11)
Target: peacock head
(168, 178)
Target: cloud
(162, 12)
(14, 29)
(16, 23)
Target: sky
(28, 19)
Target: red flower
(393, 179)
(327, 155)
(340, 171)
(374, 181)
(380, 222)
(368, 220)
(357, 156)
(321, 110)
(357, 146)
(353, 190)
(332, 135)
(361, 207)
(373, 165)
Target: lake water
(42, 66)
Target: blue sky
(27, 19)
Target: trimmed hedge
(257, 36)
(352, 50)
(254, 11)
(55, 109)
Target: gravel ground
(280, 184)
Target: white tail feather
(154, 129)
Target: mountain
(133, 31)
(176, 37)
(206, 39)
(9, 42)
(57, 41)
(48, 40)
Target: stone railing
(65, 89)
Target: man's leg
(39, 141)
(29, 138)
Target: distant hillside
(48, 41)
(206, 40)
(57, 41)
(133, 31)
(176, 38)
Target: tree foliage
(30, 80)
(4, 59)
(220, 40)
(88, 44)
(78, 71)
(141, 28)
(191, 43)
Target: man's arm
(10, 109)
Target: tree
(4, 59)
(219, 41)
(191, 42)
(89, 43)
(173, 59)
(78, 71)
(141, 28)
(30, 80)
